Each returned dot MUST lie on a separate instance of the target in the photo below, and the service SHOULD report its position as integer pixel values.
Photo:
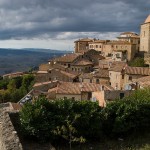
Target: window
(130, 78)
(122, 76)
(65, 97)
(73, 98)
(121, 95)
(100, 46)
(117, 55)
(50, 79)
(96, 46)
(116, 86)
(97, 81)
(144, 33)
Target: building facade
(145, 36)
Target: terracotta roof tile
(76, 87)
(143, 81)
(138, 70)
(83, 62)
(117, 66)
(67, 58)
(119, 43)
(102, 73)
(71, 75)
(86, 75)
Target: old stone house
(133, 73)
(75, 91)
(83, 65)
(127, 50)
(99, 77)
(106, 96)
(131, 37)
(56, 74)
(116, 75)
(143, 82)
(82, 45)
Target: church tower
(145, 36)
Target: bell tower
(145, 36)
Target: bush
(64, 119)
(128, 116)
(43, 117)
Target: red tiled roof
(102, 73)
(67, 58)
(119, 43)
(76, 88)
(83, 62)
(86, 75)
(68, 74)
(15, 73)
(144, 81)
(117, 66)
(42, 83)
(138, 70)
(97, 57)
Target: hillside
(12, 60)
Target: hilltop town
(97, 71)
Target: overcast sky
(55, 24)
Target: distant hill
(12, 60)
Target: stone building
(143, 82)
(82, 45)
(75, 91)
(132, 38)
(145, 40)
(99, 77)
(55, 74)
(145, 36)
(116, 75)
(13, 75)
(121, 49)
(97, 44)
(133, 73)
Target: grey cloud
(51, 18)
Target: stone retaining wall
(9, 139)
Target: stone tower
(145, 36)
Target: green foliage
(58, 119)
(16, 88)
(4, 83)
(77, 121)
(27, 81)
(137, 62)
(129, 115)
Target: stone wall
(9, 139)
